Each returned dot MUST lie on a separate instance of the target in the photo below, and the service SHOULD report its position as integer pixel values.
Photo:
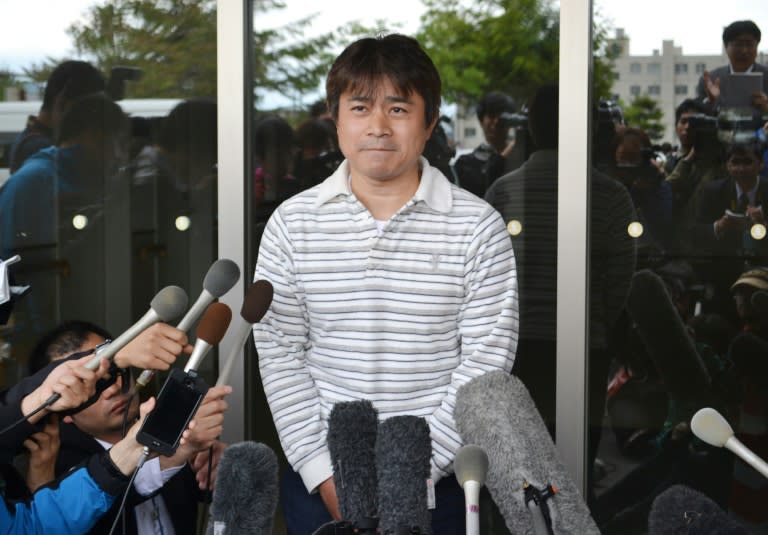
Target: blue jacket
(70, 505)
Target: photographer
(477, 170)
(700, 162)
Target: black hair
(750, 147)
(735, 29)
(72, 79)
(398, 58)
(92, 113)
(61, 341)
(542, 117)
(494, 104)
(687, 105)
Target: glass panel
(681, 321)
(482, 145)
(110, 197)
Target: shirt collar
(751, 68)
(434, 189)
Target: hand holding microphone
(220, 278)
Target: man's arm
(282, 339)
(487, 323)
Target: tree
(644, 113)
(173, 43)
(505, 45)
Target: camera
(708, 134)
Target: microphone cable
(142, 460)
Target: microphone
(245, 496)
(166, 305)
(710, 426)
(352, 428)
(255, 305)
(496, 412)
(220, 278)
(748, 353)
(403, 452)
(471, 467)
(666, 339)
(680, 509)
(209, 333)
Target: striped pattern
(401, 319)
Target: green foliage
(644, 112)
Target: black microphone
(220, 278)
(209, 333)
(255, 305)
(680, 509)
(403, 453)
(748, 353)
(666, 339)
(352, 428)
(245, 497)
(496, 412)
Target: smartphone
(176, 403)
(738, 215)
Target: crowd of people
(400, 273)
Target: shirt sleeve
(488, 327)
(282, 341)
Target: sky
(31, 30)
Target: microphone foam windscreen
(169, 303)
(352, 427)
(680, 509)
(221, 277)
(710, 426)
(213, 325)
(403, 452)
(666, 339)
(245, 496)
(470, 464)
(496, 412)
(257, 301)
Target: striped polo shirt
(400, 316)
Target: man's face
(742, 51)
(383, 135)
(104, 418)
(743, 166)
(682, 128)
(495, 130)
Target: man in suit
(165, 493)
(729, 216)
(740, 39)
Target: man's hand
(755, 214)
(711, 88)
(204, 429)
(199, 465)
(156, 348)
(72, 380)
(327, 490)
(126, 453)
(43, 449)
(728, 223)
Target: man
(67, 82)
(528, 196)
(391, 284)
(477, 171)
(91, 144)
(693, 170)
(75, 502)
(164, 496)
(728, 209)
(740, 39)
